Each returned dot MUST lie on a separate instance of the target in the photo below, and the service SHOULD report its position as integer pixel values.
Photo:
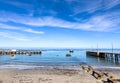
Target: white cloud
(105, 22)
(77, 6)
(33, 31)
(18, 4)
(8, 27)
(25, 29)
(110, 3)
(85, 6)
(13, 35)
(90, 6)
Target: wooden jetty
(107, 55)
(10, 52)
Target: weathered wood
(109, 81)
(87, 68)
(97, 75)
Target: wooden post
(2, 52)
(112, 47)
(111, 55)
(97, 48)
(98, 51)
(116, 57)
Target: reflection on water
(50, 57)
(13, 56)
(101, 61)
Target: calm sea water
(57, 58)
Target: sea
(57, 57)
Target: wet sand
(53, 75)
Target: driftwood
(113, 80)
(97, 75)
(100, 75)
(87, 68)
(116, 79)
(109, 81)
(106, 74)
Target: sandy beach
(53, 75)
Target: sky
(60, 23)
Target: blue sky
(60, 23)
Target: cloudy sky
(60, 23)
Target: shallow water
(56, 58)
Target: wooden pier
(107, 55)
(10, 52)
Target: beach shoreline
(54, 74)
(67, 67)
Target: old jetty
(10, 52)
(107, 55)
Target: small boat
(71, 51)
